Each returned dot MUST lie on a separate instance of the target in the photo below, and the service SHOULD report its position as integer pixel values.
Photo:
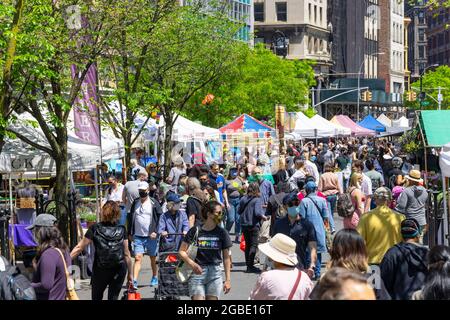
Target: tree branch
(31, 143)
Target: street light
(359, 80)
(280, 42)
(422, 96)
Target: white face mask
(242, 174)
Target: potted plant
(89, 217)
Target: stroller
(169, 287)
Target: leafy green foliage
(433, 79)
(254, 85)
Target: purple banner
(86, 112)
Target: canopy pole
(444, 192)
(97, 193)
(11, 240)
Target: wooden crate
(26, 203)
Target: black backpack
(345, 207)
(108, 241)
(13, 284)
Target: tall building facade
(355, 37)
(438, 36)
(417, 37)
(392, 45)
(301, 26)
(241, 11)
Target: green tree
(125, 64)
(195, 48)
(433, 79)
(61, 34)
(256, 84)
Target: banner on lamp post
(86, 112)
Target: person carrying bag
(184, 270)
(71, 294)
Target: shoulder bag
(70, 293)
(184, 270)
(297, 282)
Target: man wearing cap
(315, 210)
(285, 281)
(380, 228)
(173, 221)
(142, 227)
(413, 200)
(404, 266)
(301, 231)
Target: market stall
(371, 123)
(338, 129)
(312, 129)
(357, 130)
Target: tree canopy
(254, 86)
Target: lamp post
(279, 42)
(422, 96)
(359, 81)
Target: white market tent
(309, 128)
(18, 156)
(339, 130)
(185, 130)
(385, 121)
(403, 122)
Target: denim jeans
(331, 205)
(233, 216)
(318, 266)
(123, 216)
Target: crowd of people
(287, 219)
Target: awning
(435, 126)
(371, 123)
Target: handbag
(242, 244)
(184, 270)
(71, 294)
(264, 231)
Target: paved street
(241, 282)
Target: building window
(310, 12)
(421, 17)
(421, 52)
(281, 11)
(320, 15)
(421, 34)
(259, 12)
(315, 14)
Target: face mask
(242, 174)
(217, 219)
(181, 189)
(204, 184)
(143, 193)
(293, 212)
(313, 158)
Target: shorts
(209, 283)
(145, 245)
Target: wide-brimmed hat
(281, 249)
(414, 175)
(43, 220)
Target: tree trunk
(60, 192)
(168, 121)
(127, 145)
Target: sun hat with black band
(414, 175)
(281, 249)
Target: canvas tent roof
(18, 156)
(385, 121)
(312, 128)
(435, 127)
(245, 123)
(349, 123)
(338, 129)
(185, 130)
(371, 123)
(403, 122)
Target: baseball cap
(410, 228)
(43, 220)
(310, 186)
(383, 193)
(173, 197)
(143, 185)
(291, 197)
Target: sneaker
(154, 282)
(253, 270)
(135, 285)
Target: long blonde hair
(354, 180)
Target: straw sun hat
(280, 248)
(414, 175)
